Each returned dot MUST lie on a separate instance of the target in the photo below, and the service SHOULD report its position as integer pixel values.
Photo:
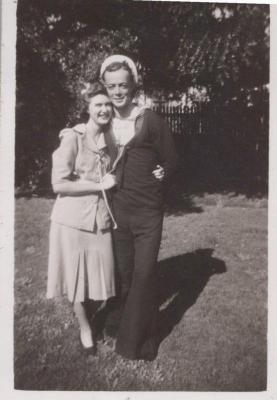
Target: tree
(61, 43)
(232, 54)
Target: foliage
(232, 54)
(223, 47)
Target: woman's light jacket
(79, 158)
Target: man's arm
(162, 136)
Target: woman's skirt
(81, 264)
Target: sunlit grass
(213, 306)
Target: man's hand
(158, 173)
(108, 181)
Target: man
(144, 142)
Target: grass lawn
(213, 314)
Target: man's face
(120, 88)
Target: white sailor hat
(119, 58)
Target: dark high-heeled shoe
(91, 350)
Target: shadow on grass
(182, 279)
(179, 203)
(188, 184)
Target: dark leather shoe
(92, 350)
(148, 351)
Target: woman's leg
(86, 313)
(85, 329)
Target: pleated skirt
(81, 264)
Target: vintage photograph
(141, 196)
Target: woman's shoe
(88, 349)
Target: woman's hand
(158, 173)
(108, 181)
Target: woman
(81, 261)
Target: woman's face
(100, 109)
(120, 87)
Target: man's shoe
(148, 351)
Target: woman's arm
(63, 167)
(158, 172)
(76, 188)
(81, 188)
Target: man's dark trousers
(137, 241)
